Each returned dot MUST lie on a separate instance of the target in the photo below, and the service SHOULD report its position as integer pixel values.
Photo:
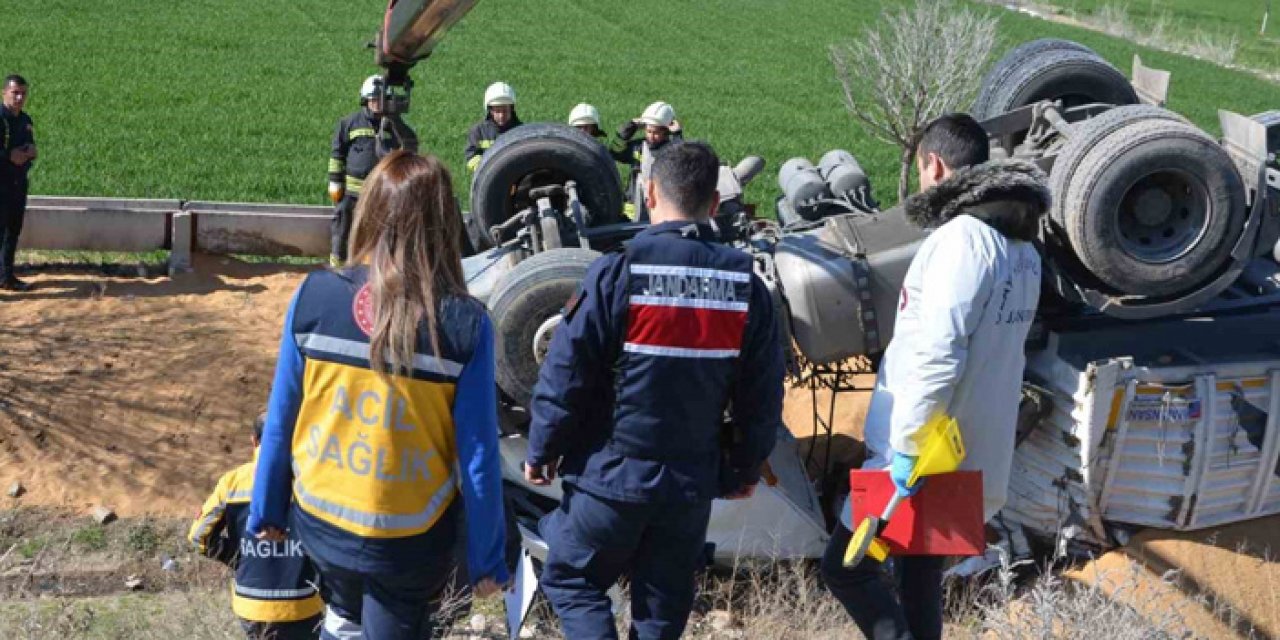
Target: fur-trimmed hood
(1009, 195)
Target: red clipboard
(944, 518)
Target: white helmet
(370, 87)
(658, 114)
(499, 93)
(584, 114)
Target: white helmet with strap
(499, 93)
(584, 114)
(658, 114)
(369, 89)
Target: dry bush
(912, 65)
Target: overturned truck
(1153, 368)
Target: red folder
(943, 518)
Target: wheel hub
(1163, 216)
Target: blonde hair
(408, 231)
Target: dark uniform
(16, 131)
(274, 590)
(374, 471)
(354, 155)
(631, 399)
(633, 152)
(483, 134)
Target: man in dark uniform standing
(660, 128)
(17, 140)
(629, 408)
(359, 142)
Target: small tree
(914, 64)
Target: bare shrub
(912, 65)
(1114, 19)
(1213, 47)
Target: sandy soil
(133, 393)
(137, 393)
(1230, 572)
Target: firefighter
(586, 119)
(966, 306)
(274, 589)
(630, 403)
(660, 127)
(359, 141)
(18, 144)
(499, 118)
(383, 409)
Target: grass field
(236, 99)
(1239, 18)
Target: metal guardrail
(181, 227)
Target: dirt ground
(137, 393)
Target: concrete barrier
(136, 225)
(97, 224)
(260, 229)
(262, 234)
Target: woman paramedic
(382, 410)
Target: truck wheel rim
(542, 337)
(1163, 216)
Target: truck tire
(1074, 76)
(1085, 137)
(1004, 67)
(548, 153)
(526, 297)
(1154, 208)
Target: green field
(236, 99)
(1222, 18)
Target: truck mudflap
(1179, 435)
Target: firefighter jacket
(355, 147)
(274, 581)
(15, 131)
(659, 341)
(638, 155)
(376, 464)
(482, 136)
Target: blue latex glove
(900, 468)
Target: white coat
(967, 303)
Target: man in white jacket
(966, 305)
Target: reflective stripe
(199, 536)
(638, 156)
(485, 144)
(240, 496)
(690, 303)
(336, 165)
(473, 162)
(680, 352)
(274, 594)
(381, 521)
(354, 183)
(673, 270)
(354, 349)
(362, 132)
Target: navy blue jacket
(662, 339)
